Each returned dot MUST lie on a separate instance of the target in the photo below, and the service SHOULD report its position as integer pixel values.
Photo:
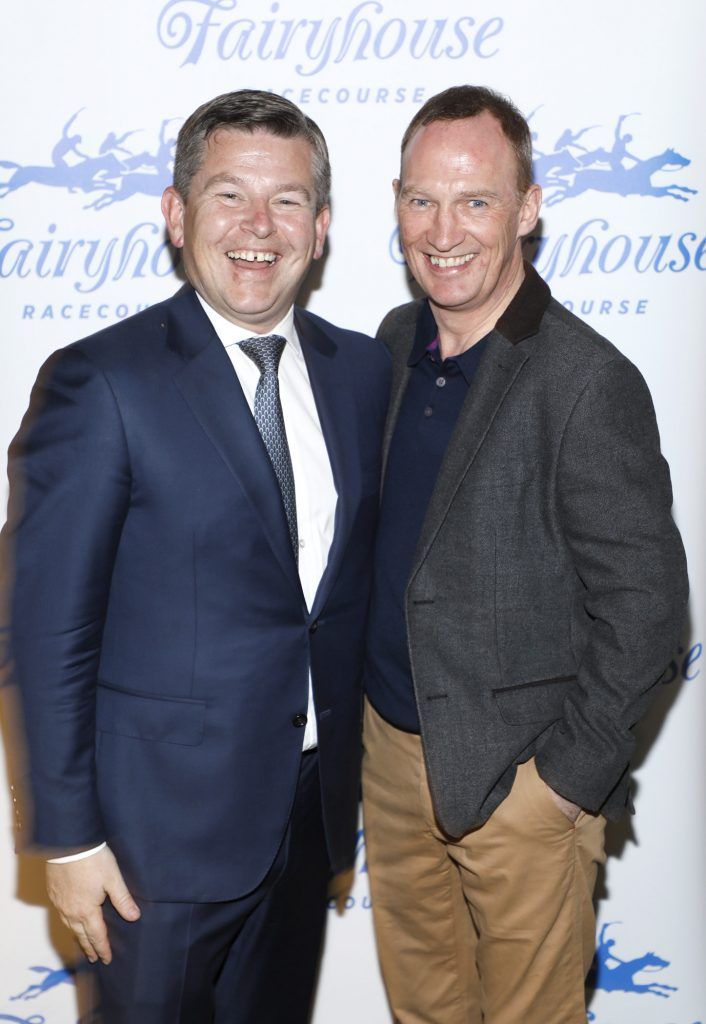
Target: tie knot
(264, 351)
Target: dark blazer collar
(523, 316)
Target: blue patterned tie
(265, 352)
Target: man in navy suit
(193, 497)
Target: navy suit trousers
(248, 961)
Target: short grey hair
(465, 101)
(249, 110)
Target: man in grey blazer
(530, 586)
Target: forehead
(469, 146)
(261, 149)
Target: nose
(257, 219)
(445, 231)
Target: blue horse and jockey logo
(53, 976)
(114, 172)
(612, 974)
(576, 165)
(48, 978)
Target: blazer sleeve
(69, 493)
(614, 499)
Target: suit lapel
(495, 376)
(400, 379)
(210, 386)
(336, 408)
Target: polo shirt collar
(520, 320)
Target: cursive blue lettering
(654, 260)
(391, 50)
(239, 47)
(431, 44)
(362, 32)
(683, 252)
(320, 57)
(493, 27)
(175, 27)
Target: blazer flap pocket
(161, 719)
(541, 700)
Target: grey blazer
(549, 582)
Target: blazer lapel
(210, 386)
(337, 414)
(495, 376)
(400, 379)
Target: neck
(459, 330)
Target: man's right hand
(78, 890)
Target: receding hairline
(466, 102)
(448, 122)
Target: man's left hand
(566, 807)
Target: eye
(419, 204)
(477, 204)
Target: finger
(85, 943)
(121, 899)
(97, 934)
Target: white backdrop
(93, 96)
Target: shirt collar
(230, 333)
(520, 320)
(426, 342)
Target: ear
(323, 219)
(173, 212)
(396, 185)
(529, 210)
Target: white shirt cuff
(77, 856)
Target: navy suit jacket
(160, 635)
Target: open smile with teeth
(252, 256)
(451, 261)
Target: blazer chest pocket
(541, 700)
(159, 719)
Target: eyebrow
(411, 191)
(233, 179)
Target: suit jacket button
(314, 626)
(299, 721)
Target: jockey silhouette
(67, 144)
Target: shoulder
(120, 343)
(574, 339)
(572, 352)
(574, 366)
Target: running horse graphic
(627, 181)
(52, 978)
(611, 974)
(115, 173)
(572, 168)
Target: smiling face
(461, 218)
(249, 227)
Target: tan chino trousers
(496, 927)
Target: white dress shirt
(315, 491)
(316, 496)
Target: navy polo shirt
(435, 392)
